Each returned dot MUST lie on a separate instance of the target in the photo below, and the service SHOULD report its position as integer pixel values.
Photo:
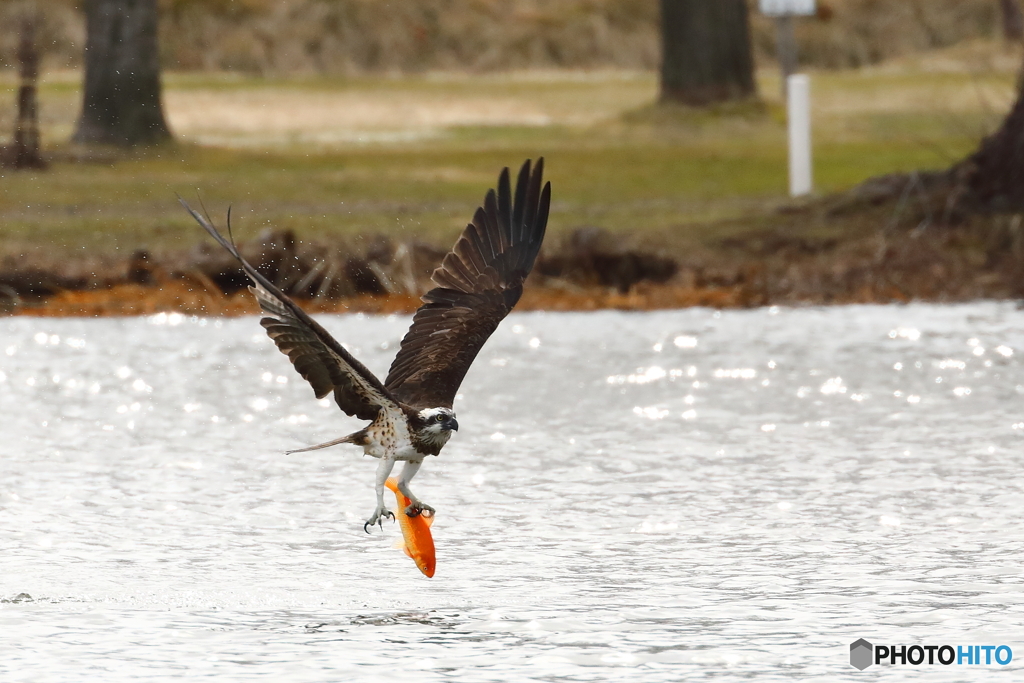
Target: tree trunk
(706, 54)
(992, 178)
(121, 103)
(24, 152)
(1013, 21)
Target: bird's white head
(438, 423)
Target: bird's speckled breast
(388, 436)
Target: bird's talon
(378, 518)
(417, 509)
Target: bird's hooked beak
(452, 425)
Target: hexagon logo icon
(861, 654)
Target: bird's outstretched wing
(317, 356)
(478, 283)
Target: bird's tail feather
(345, 439)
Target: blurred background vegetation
(348, 124)
(275, 37)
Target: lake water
(632, 496)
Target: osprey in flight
(410, 413)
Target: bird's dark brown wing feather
(317, 356)
(478, 283)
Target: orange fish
(419, 544)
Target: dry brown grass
(131, 300)
(188, 298)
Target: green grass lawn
(413, 156)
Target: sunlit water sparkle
(632, 496)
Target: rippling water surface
(638, 497)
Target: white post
(798, 107)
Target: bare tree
(706, 51)
(121, 103)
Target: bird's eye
(440, 418)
